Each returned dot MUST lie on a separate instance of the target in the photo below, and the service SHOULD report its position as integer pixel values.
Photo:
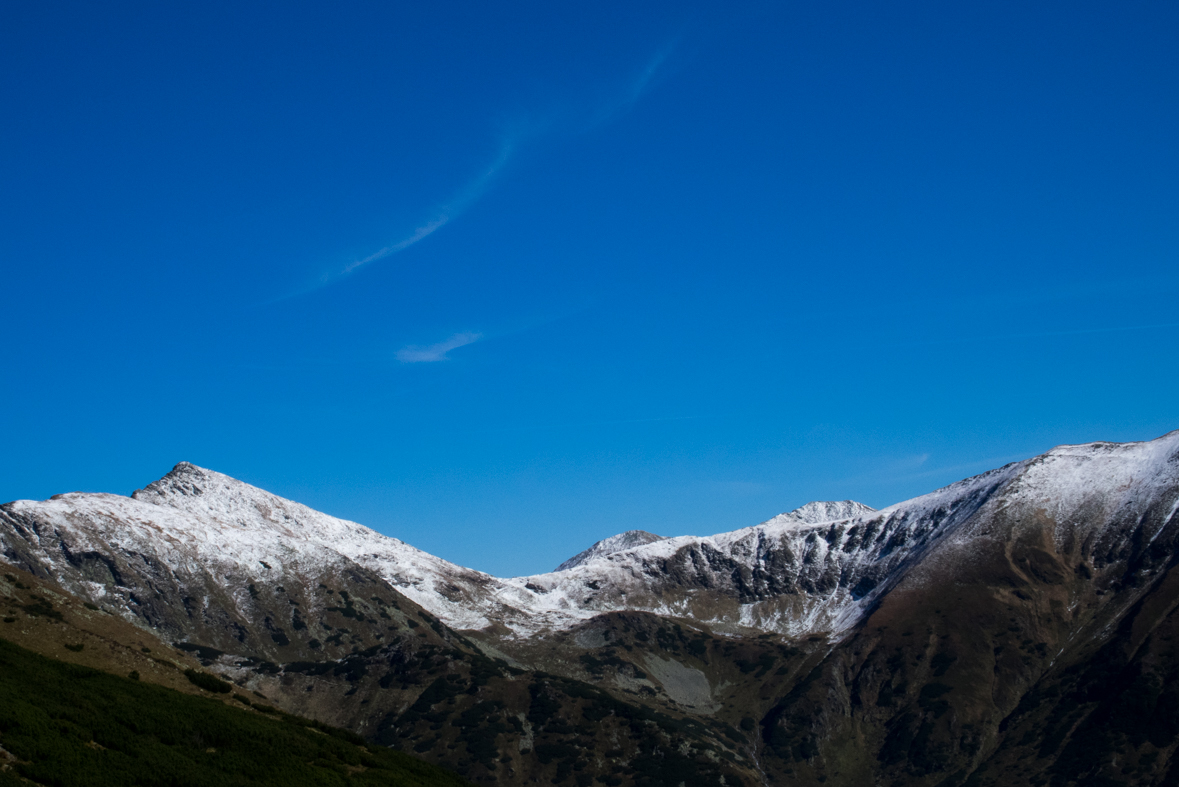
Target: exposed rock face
(786, 576)
(1030, 645)
(608, 546)
(1010, 628)
(196, 535)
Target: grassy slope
(1028, 664)
(40, 616)
(473, 722)
(71, 725)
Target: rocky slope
(63, 724)
(609, 546)
(201, 540)
(970, 634)
(1032, 645)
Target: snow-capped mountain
(811, 513)
(608, 546)
(824, 511)
(201, 539)
(196, 528)
(1030, 609)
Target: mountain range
(1016, 627)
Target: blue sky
(505, 279)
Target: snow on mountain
(811, 513)
(816, 569)
(608, 546)
(1103, 503)
(456, 594)
(786, 575)
(825, 511)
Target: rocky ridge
(200, 540)
(976, 634)
(196, 528)
(609, 546)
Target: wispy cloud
(436, 352)
(638, 87)
(462, 200)
(525, 130)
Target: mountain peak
(185, 480)
(608, 546)
(829, 510)
(197, 490)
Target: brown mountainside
(1022, 633)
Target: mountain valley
(1016, 627)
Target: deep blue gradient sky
(504, 279)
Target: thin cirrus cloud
(510, 145)
(636, 89)
(455, 206)
(436, 352)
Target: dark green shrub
(941, 663)
(53, 713)
(207, 682)
(41, 608)
(203, 652)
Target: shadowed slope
(70, 725)
(990, 632)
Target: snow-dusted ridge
(609, 546)
(816, 569)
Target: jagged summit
(198, 490)
(828, 511)
(812, 513)
(187, 480)
(817, 569)
(608, 546)
(1028, 577)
